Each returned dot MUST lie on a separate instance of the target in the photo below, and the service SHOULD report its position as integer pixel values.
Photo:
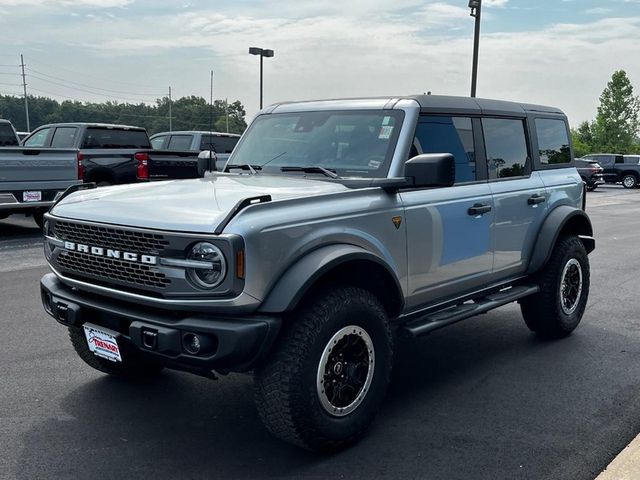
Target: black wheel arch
(563, 220)
(335, 264)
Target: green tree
(580, 146)
(616, 126)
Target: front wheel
(329, 372)
(629, 181)
(557, 309)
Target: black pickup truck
(114, 154)
(618, 168)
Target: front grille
(109, 237)
(112, 269)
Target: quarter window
(180, 142)
(553, 141)
(63, 137)
(506, 146)
(453, 135)
(157, 142)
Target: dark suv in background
(591, 173)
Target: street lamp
(476, 11)
(263, 52)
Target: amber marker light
(240, 264)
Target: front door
(449, 230)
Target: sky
(553, 52)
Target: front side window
(349, 143)
(218, 143)
(506, 146)
(157, 142)
(63, 137)
(38, 139)
(553, 141)
(454, 135)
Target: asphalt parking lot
(484, 399)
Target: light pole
(476, 11)
(263, 52)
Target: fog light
(191, 343)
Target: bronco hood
(197, 205)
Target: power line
(11, 84)
(90, 91)
(75, 72)
(87, 86)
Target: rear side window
(157, 142)
(553, 141)
(506, 145)
(115, 138)
(454, 135)
(180, 142)
(619, 159)
(38, 139)
(63, 137)
(7, 136)
(220, 144)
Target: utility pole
(476, 12)
(170, 119)
(226, 110)
(24, 86)
(211, 110)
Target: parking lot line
(626, 466)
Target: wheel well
(630, 172)
(577, 225)
(364, 274)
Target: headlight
(207, 276)
(48, 248)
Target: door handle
(479, 209)
(536, 199)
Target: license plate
(102, 342)
(32, 196)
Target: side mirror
(431, 170)
(206, 162)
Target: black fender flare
(303, 274)
(562, 219)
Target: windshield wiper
(244, 166)
(325, 171)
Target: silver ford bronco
(334, 227)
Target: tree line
(615, 128)
(187, 113)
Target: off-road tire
(286, 391)
(543, 312)
(131, 368)
(629, 180)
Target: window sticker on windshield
(385, 132)
(386, 120)
(375, 164)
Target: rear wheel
(132, 367)
(629, 180)
(328, 375)
(557, 309)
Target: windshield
(349, 143)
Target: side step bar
(448, 316)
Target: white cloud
(495, 3)
(66, 3)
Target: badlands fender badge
(397, 221)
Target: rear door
(519, 195)
(449, 230)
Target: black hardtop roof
(93, 125)
(485, 106)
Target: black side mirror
(206, 162)
(431, 170)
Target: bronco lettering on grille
(110, 253)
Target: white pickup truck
(32, 179)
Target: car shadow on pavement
(459, 392)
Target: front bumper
(230, 343)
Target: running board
(448, 316)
